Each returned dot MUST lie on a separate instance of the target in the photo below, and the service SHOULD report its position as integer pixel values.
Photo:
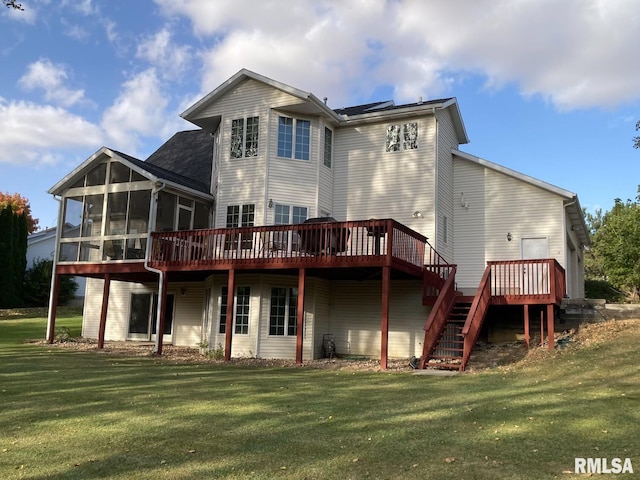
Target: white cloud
(574, 53)
(52, 78)
(159, 50)
(32, 134)
(139, 110)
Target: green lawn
(67, 414)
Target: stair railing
(476, 315)
(438, 316)
(435, 274)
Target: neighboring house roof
(376, 111)
(41, 236)
(571, 199)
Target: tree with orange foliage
(19, 205)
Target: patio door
(142, 317)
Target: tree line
(20, 287)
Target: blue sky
(550, 88)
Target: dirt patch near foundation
(485, 356)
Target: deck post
(550, 326)
(384, 347)
(527, 337)
(162, 312)
(103, 310)
(228, 333)
(302, 274)
(53, 307)
(542, 328)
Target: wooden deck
(368, 243)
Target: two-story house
(281, 224)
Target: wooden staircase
(449, 346)
(454, 322)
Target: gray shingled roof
(184, 159)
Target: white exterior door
(535, 276)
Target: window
(402, 138)
(328, 145)
(244, 137)
(283, 314)
(223, 310)
(287, 215)
(243, 296)
(294, 138)
(240, 216)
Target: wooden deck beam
(302, 275)
(384, 347)
(228, 333)
(103, 310)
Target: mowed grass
(68, 414)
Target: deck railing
(475, 317)
(531, 279)
(315, 244)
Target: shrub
(37, 285)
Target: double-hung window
(243, 297)
(283, 315)
(294, 138)
(288, 215)
(244, 137)
(328, 145)
(240, 216)
(402, 137)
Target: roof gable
(571, 199)
(151, 171)
(192, 113)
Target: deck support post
(302, 275)
(53, 307)
(103, 311)
(550, 326)
(527, 337)
(542, 328)
(384, 347)
(162, 312)
(228, 333)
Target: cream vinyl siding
(325, 174)
(292, 181)
(241, 181)
(187, 319)
(357, 324)
(447, 140)
(501, 204)
(372, 183)
(276, 346)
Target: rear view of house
(280, 223)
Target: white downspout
(152, 226)
(55, 263)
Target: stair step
(445, 357)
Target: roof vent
(325, 100)
(420, 100)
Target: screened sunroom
(110, 206)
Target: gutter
(152, 226)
